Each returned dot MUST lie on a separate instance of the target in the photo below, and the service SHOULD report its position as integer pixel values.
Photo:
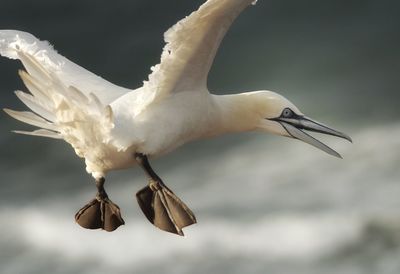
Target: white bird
(115, 128)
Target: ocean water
(264, 204)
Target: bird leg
(100, 212)
(160, 205)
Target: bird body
(155, 131)
(174, 121)
(112, 127)
(179, 119)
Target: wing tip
(40, 133)
(9, 111)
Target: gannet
(113, 128)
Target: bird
(115, 128)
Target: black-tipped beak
(296, 124)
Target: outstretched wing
(69, 73)
(81, 116)
(190, 48)
(64, 112)
(60, 111)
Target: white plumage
(105, 123)
(108, 125)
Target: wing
(63, 112)
(69, 73)
(190, 48)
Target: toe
(112, 216)
(90, 216)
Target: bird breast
(168, 124)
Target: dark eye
(287, 113)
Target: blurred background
(264, 204)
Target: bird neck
(240, 112)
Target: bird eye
(287, 113)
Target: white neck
(239, 112)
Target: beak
(295, 126)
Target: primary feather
(191, 45)
(13, 43)
(62, 111)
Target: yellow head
(270, 112)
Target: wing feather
(41, 133)
(41, 60)
(64, 112)
(31, 118)
(35, 105)
(190, 48)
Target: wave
(261, 203)
(277, 238)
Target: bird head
(280, 116)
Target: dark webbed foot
(160, 205)
(100, 212)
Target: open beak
(295, 126)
